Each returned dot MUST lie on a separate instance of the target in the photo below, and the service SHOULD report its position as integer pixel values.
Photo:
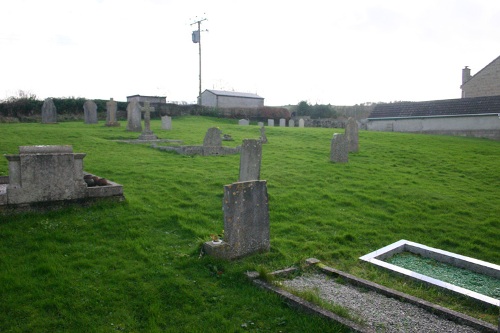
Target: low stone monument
(90, 112)
(147, 134)
(166, 123)
(270, 122)
(338, 152)
(49, 112)
(260, 124)
(41, 174)
(213, 138)
(351, 132)
(291, 123)
(301, 123)
(243, 122)
(263, 137)
(134, 117)
(282, 122)
(250, 160)
(111, 109)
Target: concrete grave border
(475, 265)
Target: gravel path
(381, 313)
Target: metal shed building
(230, 99)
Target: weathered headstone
(263, 137)
(147, 134)
(49, 112)
(250, 160)
(246, 221)
(282, 122)
(291, 123)
(90, 112)
(111, 109)
(166, 123)
(270, 122)
(243, 122)
(351, 132)
(134, 117)
(260, 124)
(338, 152)
(301, 123)
(213, 138)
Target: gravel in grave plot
(378, 312)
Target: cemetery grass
(137, 266)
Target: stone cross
(147, 116)
(111, 108)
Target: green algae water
(480, 283)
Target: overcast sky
(322, 51)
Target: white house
(230, 99)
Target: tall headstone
(263, 137)
(351, 132)
(213, 138)
(270, 122)
(49, 112)
(134, 117)
(250, 160)
(291, 123)
(301, 123)
(338, 152)
(243, 122)
(282, 122)
(90, 112)
(111, 109)
(147, 134)
(166, 123)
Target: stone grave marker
(90, 112)
(291, 123)
(351, 132)
(260, 124)
(250, 160)
(134, 117)
(263, 137)
(270, 122)
(49, 112)
(213, 138)
(243, 122)
(147, 134)
(282, 122)
(111, 109)
(166, 123)
(301, 123)
(338, 152)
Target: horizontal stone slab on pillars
(246, 221)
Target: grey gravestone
(49, 112)
(270, 122)
(90, 112)
(351, 132)
(134, 117)
(166, 123)
(338, 152)
(243, 122)
(291, 123)
(263, 137)
(147, 134)
(260, 124)
(111, 109)
(250, 160)
(246, 221)
(213, 138)
(301, 123)
(282, 122)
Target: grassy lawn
(136, 267)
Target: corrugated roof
(447, 107)
(233, 94)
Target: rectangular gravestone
(282, 122)
(270, 122)
(49, 112)
(243, 122)
(351, 132)
(90, 112)
(301, 123)
(111, 109)
(291, 123)
(134, 117)
(213, 138)
(250, 160)
(260, 124)
(166, 123)
(338, 152)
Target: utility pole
(196, 37)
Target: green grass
(136, 266)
